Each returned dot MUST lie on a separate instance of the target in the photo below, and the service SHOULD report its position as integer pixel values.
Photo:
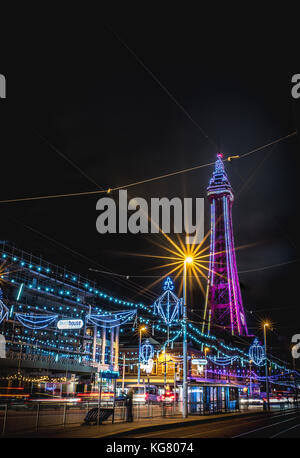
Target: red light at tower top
(220, 155)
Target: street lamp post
(250, 378)
(187, 260)
(206, 349)
(295, 384)
(165, 372)
(266, 366)
(123, 373)
(139, 361)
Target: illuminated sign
(69, 324)
(199, 362)
(109, 374)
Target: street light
(266, 365)
(206, 349)
(143, 328)
(188, 260)
(294, 376)
(165, 367)
(250, 377)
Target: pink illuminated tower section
(223, 305)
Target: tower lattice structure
(223, 304)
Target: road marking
(264, 427)
(285, 430)
(248, 419)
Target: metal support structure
(250, 378)
(117, 337)
(185, 356)
(223, 302)
(112, 347)
(295, 384)
(266, 368)
(140, 344)
(99, 399)
(103, 345)
(123, 373)
(165, 370)
(94, 343)
(139, 361)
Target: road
(278, 424)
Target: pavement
(140, 426)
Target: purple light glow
(224, 301)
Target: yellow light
(189, 260)
(266, 324)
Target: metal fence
(35, 416)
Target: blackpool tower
(223, 304)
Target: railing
(47, 359)
(30, 417)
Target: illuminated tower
(223, 305)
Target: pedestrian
(264, 405)
(129, 399)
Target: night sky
(89, 97)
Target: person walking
(129, 399)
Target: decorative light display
(257, 353)
(222, 361)
(3, 309)
(168, 306)
(41, 379)
(36, 321)
(111, 320)
(223, 283)
(148, 367)
(73, 288)
(20, 291)
(147, 352)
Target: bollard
(4, 419)
(37, 416)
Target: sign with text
(199, 362)
(69, 324)
(109, 374)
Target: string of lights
(148, 180)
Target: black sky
(86, 94)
